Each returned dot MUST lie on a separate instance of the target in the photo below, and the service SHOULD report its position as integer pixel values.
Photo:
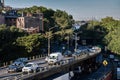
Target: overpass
(64, 66)
(85, 60)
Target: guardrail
(5, 64)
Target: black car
(24, 60)
(67, 53)
(15, 67)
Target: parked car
(15, 67)
(76, 53)
(67, 53)
(55, 58)
(30, 67)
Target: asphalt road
(4, 75)
(97, 75)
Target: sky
(79, 9)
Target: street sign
(105, 63)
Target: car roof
(31, 63)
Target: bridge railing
(32, 58)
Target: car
(30, 67)
(15, 67)
(47, 58)
(116, 60)
(24, 60)
(76, 53)
(92, 50)
(111, 56)
(67, 53)
(118, 64)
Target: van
(54, 58)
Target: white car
(47, 58)
(30, 67)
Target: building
(1, 3)
(2, 19)
(32, 23)
(7, 8)
(11, 17)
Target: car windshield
(28, 65)
(76, 53)
(53, 57)
(67, 52)
(15, 64)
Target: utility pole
(75, 42)
(48, 43)
(49, 39)
(68, 41)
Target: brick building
(32, 23)
(11, 17)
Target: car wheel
(37, 69)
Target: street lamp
(49, 39)
(75, 42)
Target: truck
(54, 58)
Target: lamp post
(49, 39)
(75, 42)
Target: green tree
(64, 21)
(32, 43)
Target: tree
(112, 39)
(61, 18)
(109, 23)
(32, 43)
(64, 21)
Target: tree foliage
(32, 43)
(112, 39)
(106, 30)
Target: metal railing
(5, 64)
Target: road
(4, 75)
(99, 73)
